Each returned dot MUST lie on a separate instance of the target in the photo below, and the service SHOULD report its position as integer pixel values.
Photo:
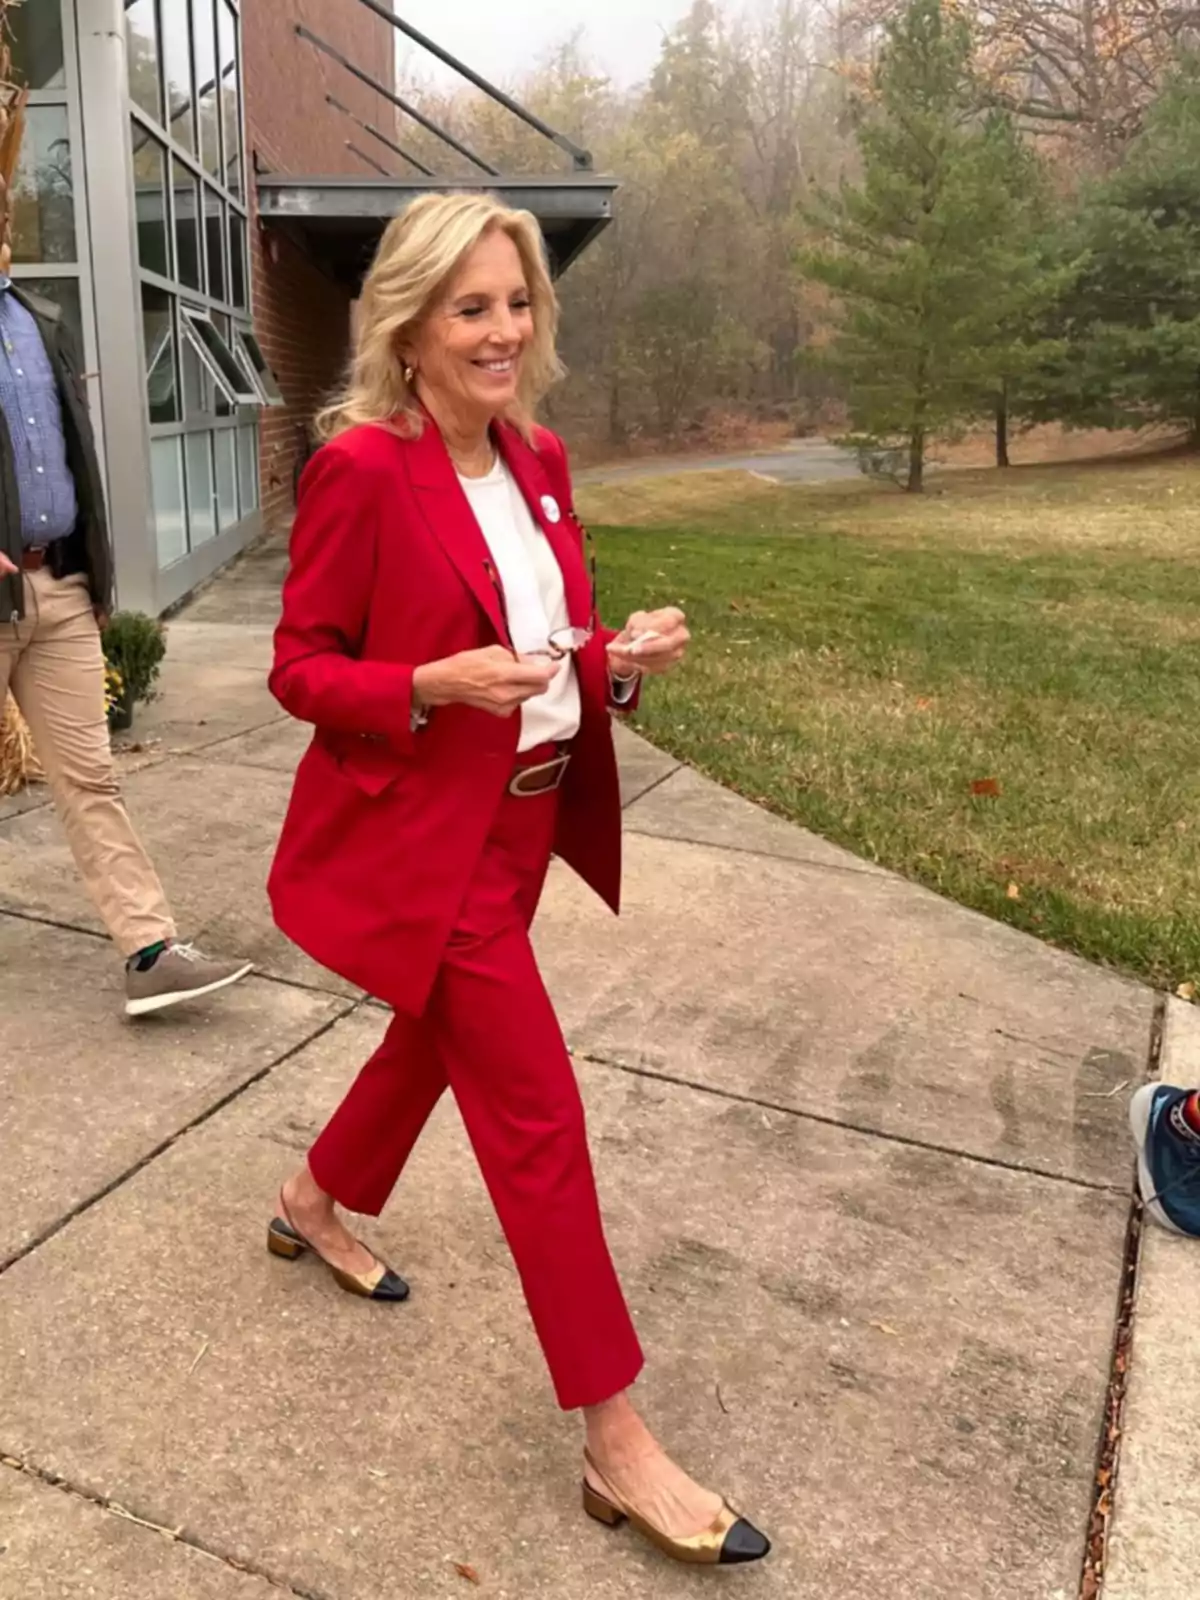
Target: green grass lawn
(863, 658)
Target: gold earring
(409, 374)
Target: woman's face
(468, 351)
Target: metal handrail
(369, 127)
(398, 101)
(582, 158)
(370, 160)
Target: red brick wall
(302, 316)
(287, 79)
(302, 320)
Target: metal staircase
(339, 220)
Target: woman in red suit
(439, 631)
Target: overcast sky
(505, 39)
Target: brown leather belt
(539, 778)
(33, 558)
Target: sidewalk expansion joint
(1026, 1169)
(154, 759)
(180, 1535)
(880, 875)
(259, 975)
(1112, 1427)
(627, 805)
(53, 922)
(150, 760)
(27, 811)
(240, 733)
(348, 1008)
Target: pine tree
(1028, 274)
(1130, 324)
(922, 252)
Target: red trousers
(491, 1034)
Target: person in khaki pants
(55, 593)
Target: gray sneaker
(180, 972)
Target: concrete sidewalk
(862, 1154)
(1156, 1530)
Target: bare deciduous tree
(1086, 70)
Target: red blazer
(385, 826)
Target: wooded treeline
(928, 211)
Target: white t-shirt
(534, 596)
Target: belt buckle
(558, 766)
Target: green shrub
(135, 644)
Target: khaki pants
(54, 666)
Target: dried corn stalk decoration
(18, 761)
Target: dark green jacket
(87, 549)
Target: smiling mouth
(500, 368)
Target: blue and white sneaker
(1168, 1157)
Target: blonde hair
(419, 254)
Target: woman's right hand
(491, 679)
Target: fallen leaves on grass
(1013, 891)
(986, 786)
(885, 771)
(1186, 991)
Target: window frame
(231, 397)
(250, 353)
(169, 341)
(194, 318)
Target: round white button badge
(550, 507)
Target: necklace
(474, 466)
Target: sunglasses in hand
(562, 642)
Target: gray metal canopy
(339, 221)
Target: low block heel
(600, 1509)
(285, 1240)
(729, 1541)
(281, 1241)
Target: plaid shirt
(30, 402)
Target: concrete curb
(1155, 1538)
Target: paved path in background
(862, 1154)
(805, 461)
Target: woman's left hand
(651, 641)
